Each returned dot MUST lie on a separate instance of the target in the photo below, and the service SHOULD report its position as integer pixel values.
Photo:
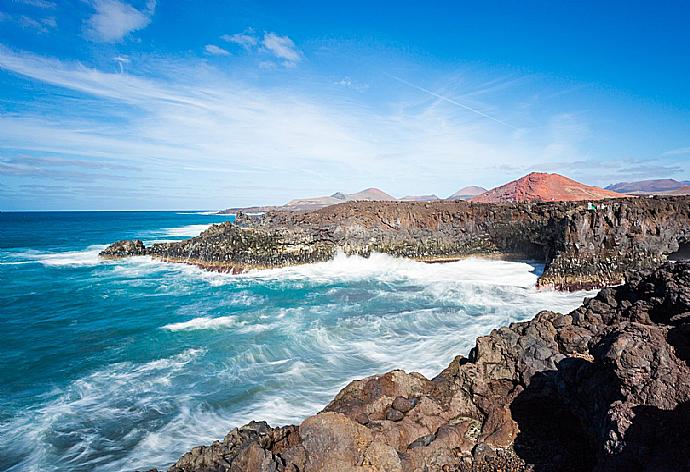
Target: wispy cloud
(452, 101)
(39, 24)
(44, 4)
(283, 48)
(677, 152)
(42, 25)
(348, 82)
(216, 50)
(247, 39)
(113, 20)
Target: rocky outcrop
(605, 387)
(125, 248)
(583, 245)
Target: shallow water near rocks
(117, 365)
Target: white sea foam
(87, 257)
(204, 323)
(386, 268)
(188, 230)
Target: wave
(203, 323)
(86, 257)
(83, 424)
(386, 268)
(187, 231)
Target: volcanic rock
(125, 248)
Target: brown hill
(543, 187)
(466, 193)
(370, 194)
(684, 190)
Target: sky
(182, 104)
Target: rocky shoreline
(583, 245)
(605, 387)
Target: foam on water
(87, 257)
(186, 231)
(83, 416)
(203, 323)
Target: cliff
(605, 387)
(582, 245)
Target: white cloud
(215, 50)
(42, 25)
(113, 20)
(283, 48)
(347, 82)
(45, 4)
(677, 152)
(246, 40)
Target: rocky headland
(582, 244)
(605, 387)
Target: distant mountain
(371, 194)
(543, 187)
(466, 193)
(420, 198)
(684, 190)
(314, 203)
(647, 186)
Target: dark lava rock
(605, 387)
(125, 248)
(403, 404)
(394, 415)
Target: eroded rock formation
(605, 387)
(584, 245)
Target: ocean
(119, 365)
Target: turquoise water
(117, 365)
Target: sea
(125, 365)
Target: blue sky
(113, 104)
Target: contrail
(450, 100)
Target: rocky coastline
(605, 387)
(583, 245)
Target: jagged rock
(582, 246)
(124, 248)
(605, 387)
